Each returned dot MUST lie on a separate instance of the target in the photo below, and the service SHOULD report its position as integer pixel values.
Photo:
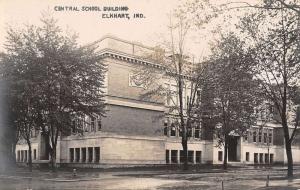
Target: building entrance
(233, 151)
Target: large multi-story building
(140, 132)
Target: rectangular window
(254, 136)
(99, 123)
(180, 132)
(73, 128)
(77, 154)
(189, 132)
(34, 154)
(93, 124)
(181, 156)
(25, 155)
(167, 156)
(261, 157)
(266, 158)
(191, 156)
(197, 132)
(22, 156)
(247, 156)
(256, 158)
(85, 126)
(259, 136)
(173, 130)
(97, 154)
(71, 154)
(271, 158)
(246, 136)
(166, 128)
(220, 155)
(174, 156)
(198, 156)
(265, 137)
(270, 137)
(83, 154)
(90, 151)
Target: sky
(90, 25)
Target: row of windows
(84, 155)
(177, 132)
(87, 124)
(174, 130)
(261, 136)
(257, 157)
(261, 158)
(173, 157)
(22, 155)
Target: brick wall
(132, 121)
(278, 136)
(118, 81)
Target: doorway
(233, 144)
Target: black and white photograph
(149, 94)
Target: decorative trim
(135, 105)
(110, 53)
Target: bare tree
(176, 68)
(276, 61)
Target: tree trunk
(185, 153)
(225, 153)
(53, 158)
(289, 156)
(29, 156)
(288, 147)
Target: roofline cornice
(118, 55)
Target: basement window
(191, 156)
(167, 156)
(266, 158)
(247, 156)
(77, 154)
(255, 158)
(90, 155)
(198, 156)
(261, 158)
(181, 156)
(71, 154)
(34, 154)
(220, 155)
(174, 156)
(97, 154)
(83, 153)
(271, 158)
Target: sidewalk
(245, 178)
